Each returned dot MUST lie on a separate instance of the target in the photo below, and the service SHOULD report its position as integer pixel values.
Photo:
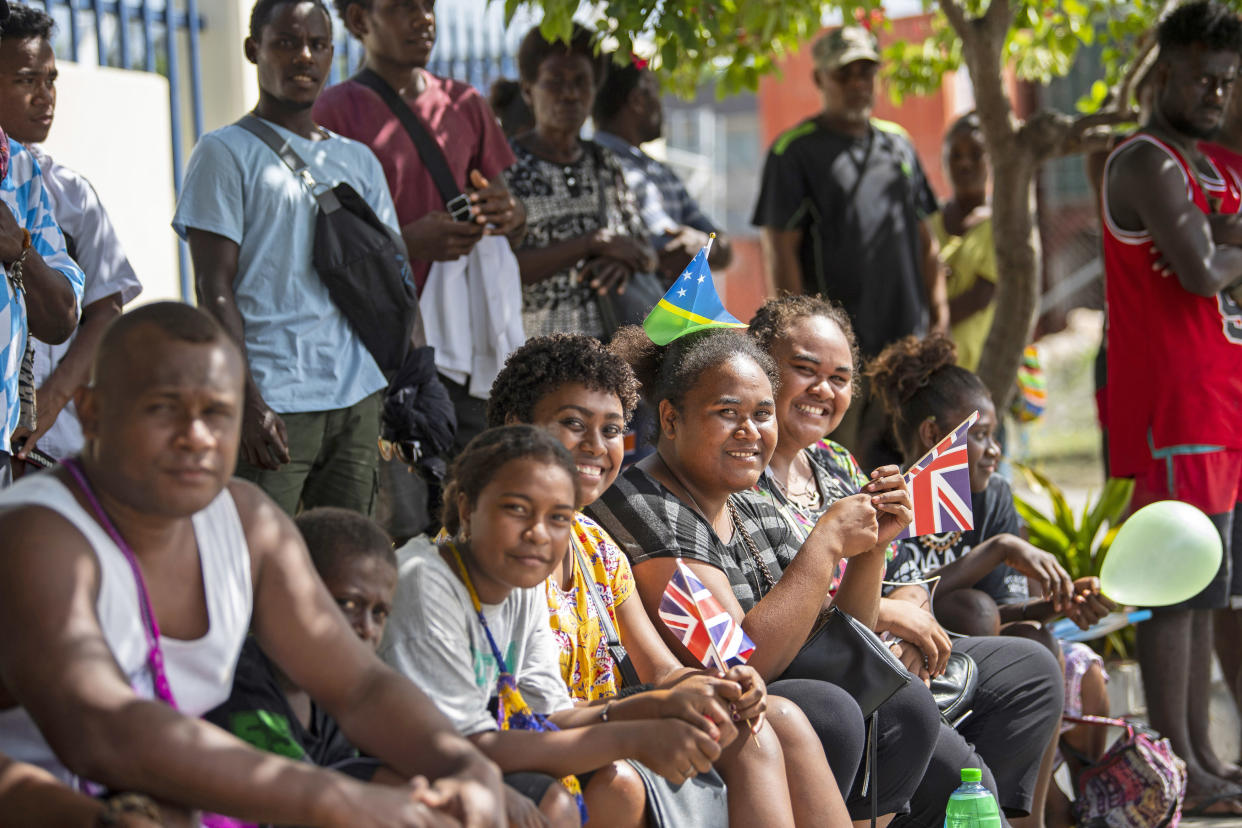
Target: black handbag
(954, 689)
(843, 651)
(625, 666)
(642, 291)
(361, 261)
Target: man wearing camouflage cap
(842, 212)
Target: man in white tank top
(81, 693)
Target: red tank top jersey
(1174, 358)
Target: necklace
(809, 496)
(735, 519)
(940, 543)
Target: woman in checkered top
(692, 499)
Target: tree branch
(956, 15)
(998, 18)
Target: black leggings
(907, 735)
(1016, 711)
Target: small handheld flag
(695, 616)
(690, 305)
(940, 487)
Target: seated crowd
(201, 623)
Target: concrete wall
(229, 85)
(113, 127)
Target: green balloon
(1165, 553)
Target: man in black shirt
(842, 212)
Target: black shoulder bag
(455, 201)
(362, 262)
(625, 667)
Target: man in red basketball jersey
(1171, 260)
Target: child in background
(355, 560)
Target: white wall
(113, 127)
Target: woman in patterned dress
(584, 236)
(584, 394)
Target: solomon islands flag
(690, 305)
(695, 616)
(940, 487)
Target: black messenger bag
(362, 262)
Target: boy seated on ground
(354, 558)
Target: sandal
(1203, 804)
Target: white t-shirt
(96, 248)
(435, 639)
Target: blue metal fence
(135, 34)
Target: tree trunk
(1018, 269)
(1013, 168)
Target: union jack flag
(695, 616)
(940, 487)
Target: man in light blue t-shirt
(313, 391)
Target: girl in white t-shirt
(470, 626)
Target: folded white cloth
(472, 313)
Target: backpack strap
(328, 202)
(455, 201)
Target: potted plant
(1080, 542)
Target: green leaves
(732, 43)
(1076, 541)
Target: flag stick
(710, 641)
(707, 248)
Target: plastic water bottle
(972, 805)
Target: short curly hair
(545, 363)
(535, 49)
(25, 22)
(775, 316)
(342, 6)
(669, 372)
(920, 378)
(487, 454)
(334, 535)
(1206, 23)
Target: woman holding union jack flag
(693, 500)
(812, 342)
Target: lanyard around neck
(150, 627)
(478, 607)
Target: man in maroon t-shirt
(398, 36)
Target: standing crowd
(220, 602)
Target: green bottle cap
(972, 775)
